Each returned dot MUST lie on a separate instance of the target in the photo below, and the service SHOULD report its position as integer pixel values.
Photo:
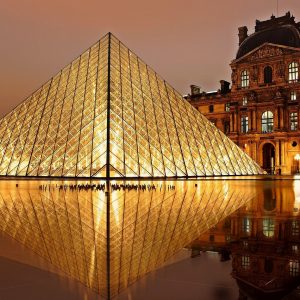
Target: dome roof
(281, 31)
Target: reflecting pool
(262, 238)
(107, 235)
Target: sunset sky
(186, 42)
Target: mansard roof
(280, 31)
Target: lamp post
(297, 158)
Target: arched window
(268, 78)
(245, 79)
(293, 71)
(267, 122)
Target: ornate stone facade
(261, 110)
(263, 240)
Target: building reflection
(108, 239)
(263, 239)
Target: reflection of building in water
(109, 239)
(264, 239)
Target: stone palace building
(260, 111)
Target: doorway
(269, 158)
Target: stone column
(254, 120)
(275, 118)
(249, 114)
(281, 118)
(231, 122)
(258, 121)
(254, 150)
(277, 163)
(283, 153)
(235, 122)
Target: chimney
(243, 34)
(195, 90)
(224, 86)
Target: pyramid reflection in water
(108, 114)
(109, 240)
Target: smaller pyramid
(107, 114)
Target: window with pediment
(294, 120)
(293, 71)
(245, 79)
(268, 74)
(267, 122)
(244, 124)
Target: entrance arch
(268, 154)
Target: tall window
(293, 71)
(227, 106)
(245, 79)
(295, 248)
(293, 96)
(211, 108)
(295, 228)
(268, 74)
(267, 122)
(294, 268)
(245, 262)
(245, 101)
(244, 124)
(246, 225)
(294, 120)
(268, 227)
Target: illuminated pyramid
(108, 114)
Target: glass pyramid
(108, 240)
(107, 114)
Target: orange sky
(185, 41)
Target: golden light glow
(108, 99)
(109, 240)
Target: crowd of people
(141, 187)
(102, 187)
(73, 187)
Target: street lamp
(297, 158)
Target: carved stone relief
(280, 69)
(234, 77)
(266, 52)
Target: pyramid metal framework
(107, 114)
(109, 241)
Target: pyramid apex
(107, 114)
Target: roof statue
(282, 31)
